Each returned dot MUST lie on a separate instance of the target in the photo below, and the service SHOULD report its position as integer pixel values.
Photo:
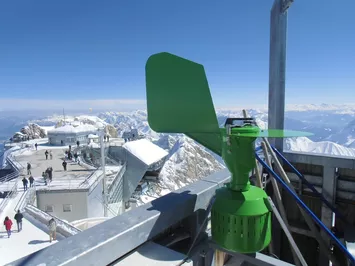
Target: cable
(305, 207)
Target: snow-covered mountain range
(334, 134)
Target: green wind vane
(179, 101)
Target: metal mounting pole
(277, 67)
(104, 187)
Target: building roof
(73, 129)
(145, 151)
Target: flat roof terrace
(76, 177)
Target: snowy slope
(304, 144)
(346, 136)
(57, 121)
(187, 162)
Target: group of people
(48, 175)
(52, 225)
(8, 223)
(25, 182)
(30, 179)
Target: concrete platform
(75, 177)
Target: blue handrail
(308, 210)
(310, 186)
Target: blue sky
(54, 53)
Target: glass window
(67, 207)
(49, 208)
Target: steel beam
(321, 159)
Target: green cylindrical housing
(241, 221)
(238, 154)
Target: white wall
(68, 138)
(57, 199)
(95, 207)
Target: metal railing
(28, 197)
(13, 190)
(115, 190)
(10, 194)
(63, 227)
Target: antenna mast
(64, 116)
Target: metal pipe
(104, 187)
(309, 211)
(285, 226)
(295, 251)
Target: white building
(92, 138)
(72, 198)
(70, 134)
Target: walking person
(28, 168)
(24, 182)
(64, 165)
(50, 173)
(8, 225)
(46, 153)
(52, 226)
(44, 175)
(31, 179)
(18, 217)
(51, 155)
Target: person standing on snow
(18, 217)
(36, 145)
(24, 182)
(50, 155)
(50, 173)
(8, 225)
(64, 165)
(78, 143)
(52, 226)
(28, 168)
(46, 153)
(31, 180)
